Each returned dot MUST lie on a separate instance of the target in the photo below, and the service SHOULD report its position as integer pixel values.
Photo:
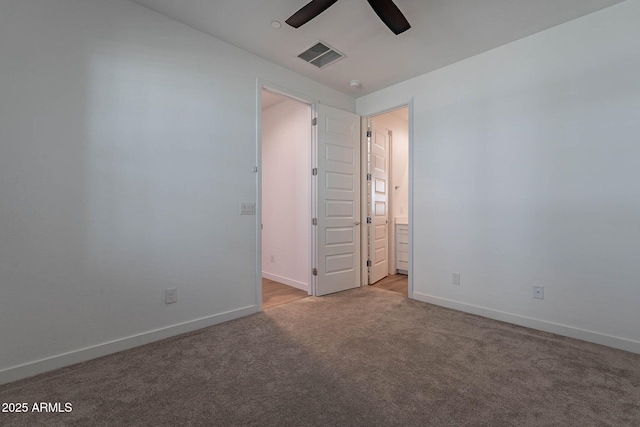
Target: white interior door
(338, 201)
(379, 206)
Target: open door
(379, 208)
(338, 200)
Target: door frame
(365, 117)
(280, 90)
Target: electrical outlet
(273, 258)
(170, 295)
(455, 278)
(538, 292)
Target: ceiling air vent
(320, 54)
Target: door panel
(379, 228)
(339, 236)
(338, 256)
(339, 181)
(340, 154)
(339, 209)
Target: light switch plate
(247, 208)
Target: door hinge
(314, 271)
(314, 121)
(314, 221)
(368, 177)
(314, 171)
(368, 220)
(368, 134)
(368, 263)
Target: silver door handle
(357, 222)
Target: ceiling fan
(386, 10)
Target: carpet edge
(528, 322)
(36, 367)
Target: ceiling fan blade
(390, 15)
(308, 12)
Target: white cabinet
(402, 248)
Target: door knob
(357, 222)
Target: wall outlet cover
(538, 292)
(171, 295)
(455, 278)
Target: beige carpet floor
(366, 357)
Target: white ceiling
(443, 32)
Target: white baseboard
(286, 281)
(48, 364)
(541, 325)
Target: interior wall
(127, 142)
(525, 172)
(286, 193)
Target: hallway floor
(395, 283)
(276, 293)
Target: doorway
(286, 244)
(327, 190)
(335, 244)
(387, 206)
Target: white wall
(526, 172)
(286, 193)
(127, 141)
